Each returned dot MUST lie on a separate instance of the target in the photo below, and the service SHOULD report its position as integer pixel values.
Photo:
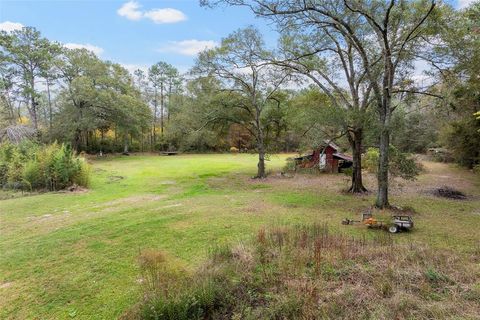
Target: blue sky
(135, 33)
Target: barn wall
(332, 163)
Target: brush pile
(449, 193)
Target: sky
(136, 33)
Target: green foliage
(99, 97)
(348, 171)
(187, 301)
(370, 160)
(462, 137)
(33, 167)
(460, 131)
(290, 165)
(27, 56)
(401, 164)
(414, 131)
(476, 169)
(313, 118)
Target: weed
(283, 273)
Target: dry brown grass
(307, 272)
(435, 175)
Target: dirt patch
(112, 205)
(449, 193)
(334, 182)
(6, 285)
(168, 182)
(113, 179)
(258, 207)
(74, 189)
(171, 206)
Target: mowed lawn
(74, 255)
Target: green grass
(74, 255)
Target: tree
(457, 61)
(30, 55)
(163, 77)
(187, 129)
(174, 83)
(390, 34)
(328, 59)
(8, 94)
(97, 96)
(250, 83)
(315, 119)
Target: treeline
(337, 74)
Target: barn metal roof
(342, 156)
(331, 144)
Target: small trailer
(397, 223)
(400, 222)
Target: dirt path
(435, 175)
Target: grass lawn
(74, 255)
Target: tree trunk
(49, 105)
(162, 106)
(261, 161)
(169, 101)
(102, 142)
(76, 141)
(125, 145)
(382, 177)
(33, 111)
(261, 149)
(155, 105)
(355, 140)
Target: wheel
(393, 229)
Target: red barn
(327, 158)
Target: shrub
(348, 171)
(173, 295)
(290, 165)
(401, 164)
(34, 167)
(476, 169)
(370, 160)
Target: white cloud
(9, 26)
(461, 4)
(133, 67)
(131, 11)
(188, 47)
(167, 15)
(90, 47)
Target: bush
(370, 160)
(33, 167)
(401, 164)
(290, 165)
(476, 169)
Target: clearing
(74, 255)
